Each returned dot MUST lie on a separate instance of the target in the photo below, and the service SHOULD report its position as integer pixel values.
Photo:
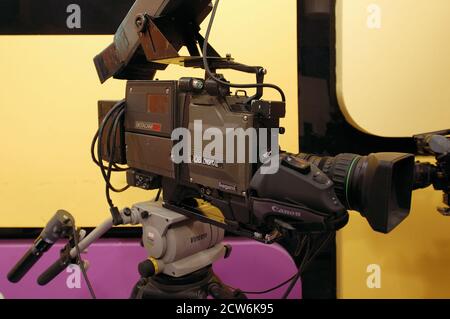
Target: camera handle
(69, 252)
(61, 225)
(259, 72)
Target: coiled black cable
(114, 117)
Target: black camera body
(154, 109)
(249, 200)
(304, 193)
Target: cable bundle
(113, 117)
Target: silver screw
(258, 235)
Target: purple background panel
(113, 270)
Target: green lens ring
(347, 184)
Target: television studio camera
(203, 197)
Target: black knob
(146, 268)
(145, 214)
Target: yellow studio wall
(393, 81)
(392, 59)
(48, 108)
(414, 259)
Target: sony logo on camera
(206, 161)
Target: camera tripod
(182, 253)
(198, 285)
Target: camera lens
(379, 186)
